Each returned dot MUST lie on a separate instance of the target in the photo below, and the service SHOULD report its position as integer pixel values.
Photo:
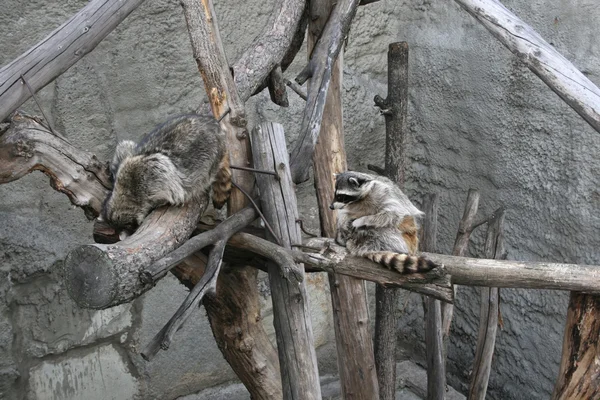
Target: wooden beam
(520, 274)
(542, 58)
(293, 327)
(58, 51)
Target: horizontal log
(520, 274)
(62, 48)
(542, 58)
(100, 276)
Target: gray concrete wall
(478, 119)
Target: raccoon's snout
(331, 207)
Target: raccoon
(175, 163)
(376, 220)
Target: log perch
(99, 276)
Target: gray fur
(173, 164)
(370, 209)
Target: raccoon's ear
(124, 149)
(357, 182)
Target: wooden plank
(293, 328)
(542, 58)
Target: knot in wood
(23, 149)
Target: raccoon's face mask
(347, 191)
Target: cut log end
(90, 277)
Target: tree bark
(542, 59)
(62, 48)
(356, 362)
(293, 328)
(579, 374)
(386, 299)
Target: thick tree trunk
(356, 362)
(579, 374)
(293, 328)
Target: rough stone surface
(478, 118)
(99, 375)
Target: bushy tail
(222, 184)
(403, 263)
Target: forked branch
(319, 70)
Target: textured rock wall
(478, 119)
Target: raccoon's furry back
(175, 163)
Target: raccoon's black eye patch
(344, 198)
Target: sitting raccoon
(174, 164)
(376, 220)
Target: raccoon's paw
(360, 223)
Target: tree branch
(62, 48)
(269, 49)
(319, 69)
(206, 286)
(542, 59)
(28, 145)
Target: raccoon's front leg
(379, 220)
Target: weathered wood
(27, 145)
(434, 345)
(323, 54)
(206, 286)
(234, 313)
(270, 48)
(488, 316)
(100, 276)
(323, 114)
(386, 299)
(277, 87)
(542, 58)
(58, 51)
(579, 373)
(520, 274)
(461, 244)
(152, 273)
(293, 327)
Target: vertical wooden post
(488, 317)
(295, 344)
(395, 110)
(434, 345)
(356, 362)
(579, 374)
(234, 313)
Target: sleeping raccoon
(174, 164)
(377, 221)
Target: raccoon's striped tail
(222, 184)
(401, 262)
